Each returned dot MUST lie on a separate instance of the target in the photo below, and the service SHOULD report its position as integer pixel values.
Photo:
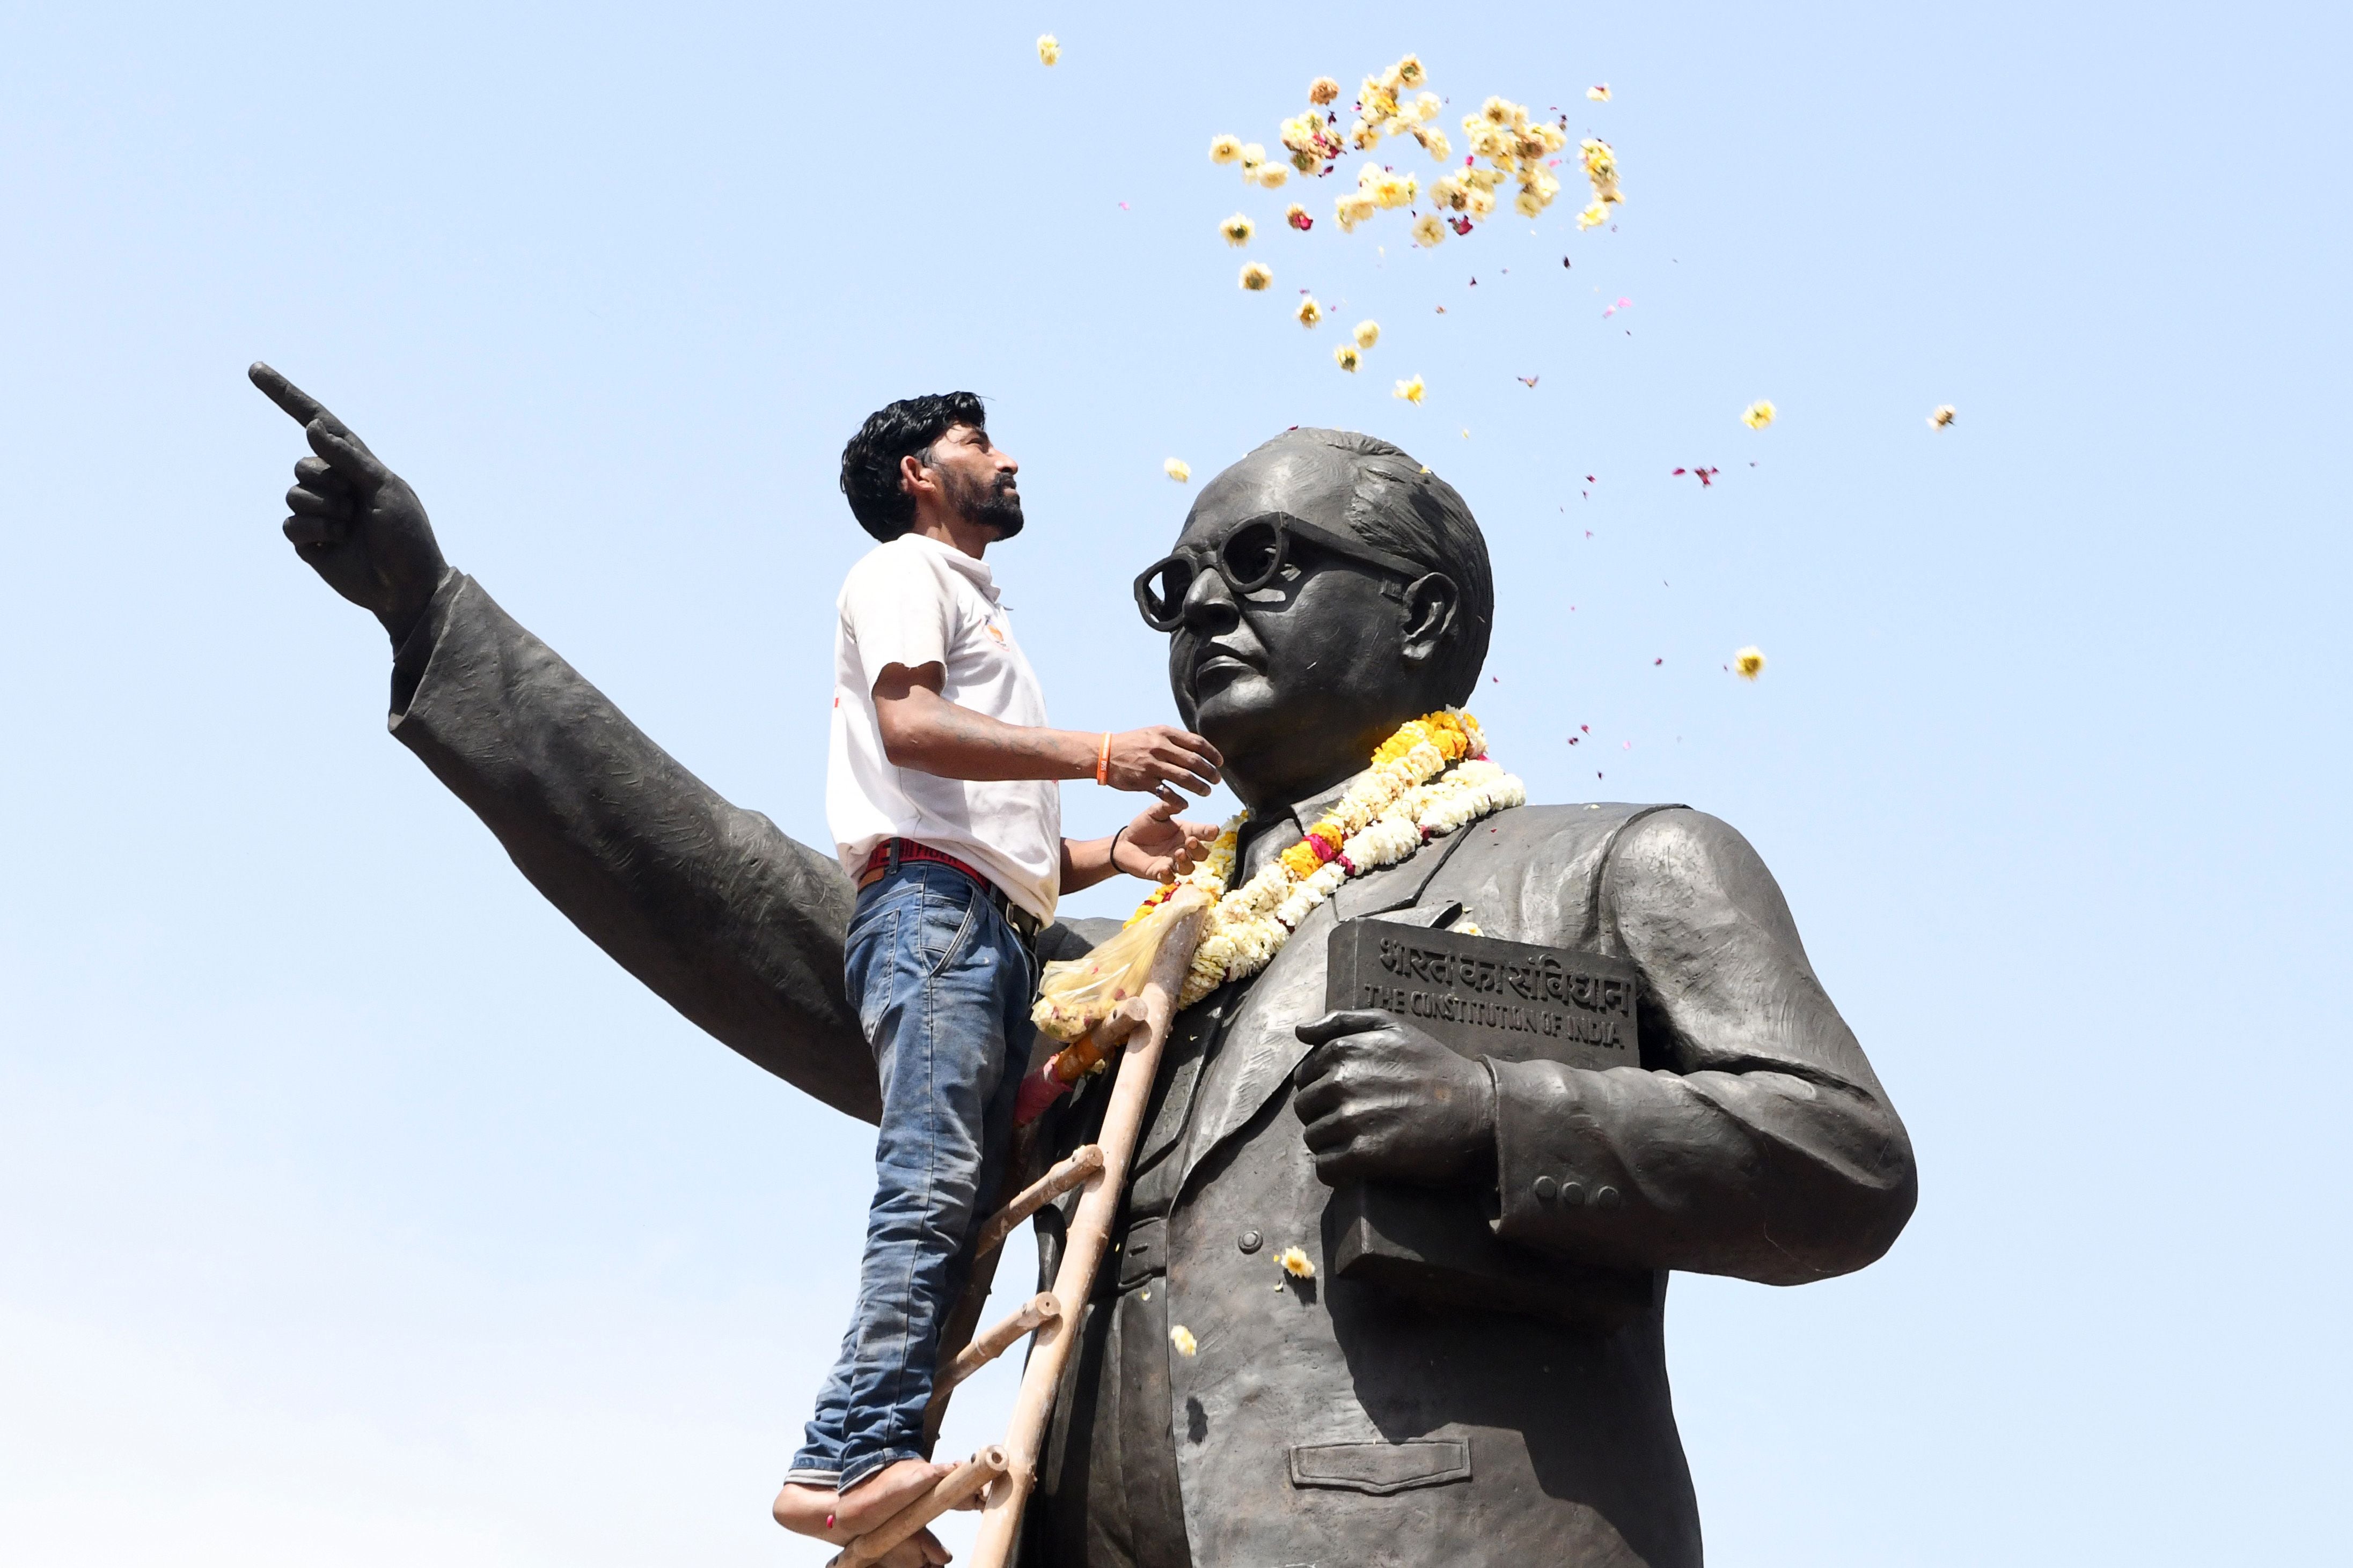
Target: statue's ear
(1431, 602)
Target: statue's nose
(1209, 602)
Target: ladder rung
(1084, 1162)
(946, 1492)
(987, 1347)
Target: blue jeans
(942, 985)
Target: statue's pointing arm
(726, 918)
(1756, 1142)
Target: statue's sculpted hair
(870, 464)
(1400, 506)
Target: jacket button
(1248, 1241)
(1572, 1192)
(1606, 1197)
(1545, 1188)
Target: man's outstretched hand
(356, 522)
(1161, 847)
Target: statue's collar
(1269, 835)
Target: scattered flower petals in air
(1271, 177)
(1257, 276)
(1237, 229)
(1428, 231)
(1749, 663)
(1295, 1263)
(1309, 311)
(1225, 149)
(1049, 50)
(1624, 303)
(1252, 155)
(1506, 144)
(1367, 333)
(1943, 416)
(1346, 357)
(1528, 381)
(1599, 92)
(1182, 1338)
(1411, 391)
(1705, 475)
(1759, 414)
(1296, 216)
(1178, 468)
(1593, 216)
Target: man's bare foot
(827, 1515)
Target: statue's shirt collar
(1279, 832)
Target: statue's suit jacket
(1321, 1422)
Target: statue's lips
(1219, 667)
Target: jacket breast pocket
(1381, 1468)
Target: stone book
(1482, 996)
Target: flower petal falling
(1178, 468)
(1257, 276)
(1759, 414)
(1297, 1263)
(1943, 416)
(1749, 663)
(1411, 391)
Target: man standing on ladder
(943, 793)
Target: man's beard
(994, 504)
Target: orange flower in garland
(1445, 732)
(1428, 779)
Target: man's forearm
(1086, 861)
(925, 731)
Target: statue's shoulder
(1557, 833)
(1547, 864)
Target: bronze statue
(1496, 1391)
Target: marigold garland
(1427, 780)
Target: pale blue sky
(353, 1209)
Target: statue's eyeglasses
(1250, 557)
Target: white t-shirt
(915, 602)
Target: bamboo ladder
(1006, 1472)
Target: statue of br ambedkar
(1339, 1421)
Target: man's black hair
(870, 464)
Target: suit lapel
(1262, 1045)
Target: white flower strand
(1398, 804)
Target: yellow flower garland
(1428, 779)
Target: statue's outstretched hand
(356, 522)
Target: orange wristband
(1103, 761)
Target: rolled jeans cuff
(870, 1466)
(829, 1480)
